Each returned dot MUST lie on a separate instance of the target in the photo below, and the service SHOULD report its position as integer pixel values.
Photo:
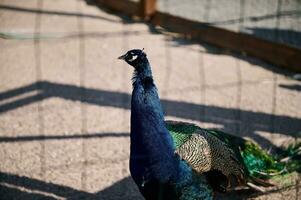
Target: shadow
(250, 122)
(291, 87)
(235, 194)
(245, 193)
(121, 190)
(286, 13)
(126, 19)
(180, 40)
(23, 188)
(53, 12)
(55, 36)
(60, 137)
(290, 37)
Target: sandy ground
(64, 99)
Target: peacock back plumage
(205, 153)
(208, 150)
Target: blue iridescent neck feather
(143, 73)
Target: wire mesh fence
(65, 99)
(276, 21)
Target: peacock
(181, 161)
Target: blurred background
(65, 98)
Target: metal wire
(38, 66)
(201, 89)
(83, 108)
(168, 57)
(275, 76)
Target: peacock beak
(122, 57)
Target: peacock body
(177, 160)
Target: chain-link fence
(65, 98)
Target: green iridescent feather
(258, 163)
(292, 154)
(180, 133)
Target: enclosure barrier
(278, 54)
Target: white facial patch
(133, 58)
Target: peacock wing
(203, 151)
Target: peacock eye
(132, 58)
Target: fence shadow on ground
(285, 36)
(296, 87)
(227, 118)
(25, 188)
(177, 40)
(54, 12)
(29, 138)
(21, 187)
(181, 40)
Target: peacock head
(134, 57)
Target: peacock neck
(146, 111)
(151, 144)
(142, 73)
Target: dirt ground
(65, 99)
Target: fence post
(148, 8)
